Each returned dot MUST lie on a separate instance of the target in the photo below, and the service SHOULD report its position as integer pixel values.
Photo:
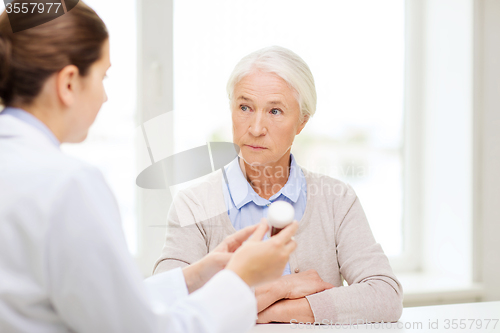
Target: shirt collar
(242, 193)
(33, 121)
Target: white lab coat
(64, 264)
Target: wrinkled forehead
(265, 84)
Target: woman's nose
(258, 124)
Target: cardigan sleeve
(185, 240)
(374, 294)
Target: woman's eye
(244, 108)
(276, 111)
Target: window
(110, 143)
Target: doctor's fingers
(235, 240)
(220, 259)
(290, 246)
(260, 232)
(287, 233)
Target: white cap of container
(280, 214)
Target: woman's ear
(67, 84)
(303, 124)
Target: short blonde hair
(287, 65)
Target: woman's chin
(253, 160)
(257, 159)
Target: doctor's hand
(197, 274)
(258, 261)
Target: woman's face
(266, 118)
(90, 96)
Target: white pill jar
(280, 214)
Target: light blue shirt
(245, 207)
(30, 119)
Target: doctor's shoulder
(78, 175)
(48, 187)
(49, 176)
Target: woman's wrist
(284, 286)
(279, 289)
(269, 293)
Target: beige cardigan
(334, 238)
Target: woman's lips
(255, 147)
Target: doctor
(64, 264)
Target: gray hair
(287, 65)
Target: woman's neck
(267, 180)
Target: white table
(417, 319)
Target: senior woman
(272, 97)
